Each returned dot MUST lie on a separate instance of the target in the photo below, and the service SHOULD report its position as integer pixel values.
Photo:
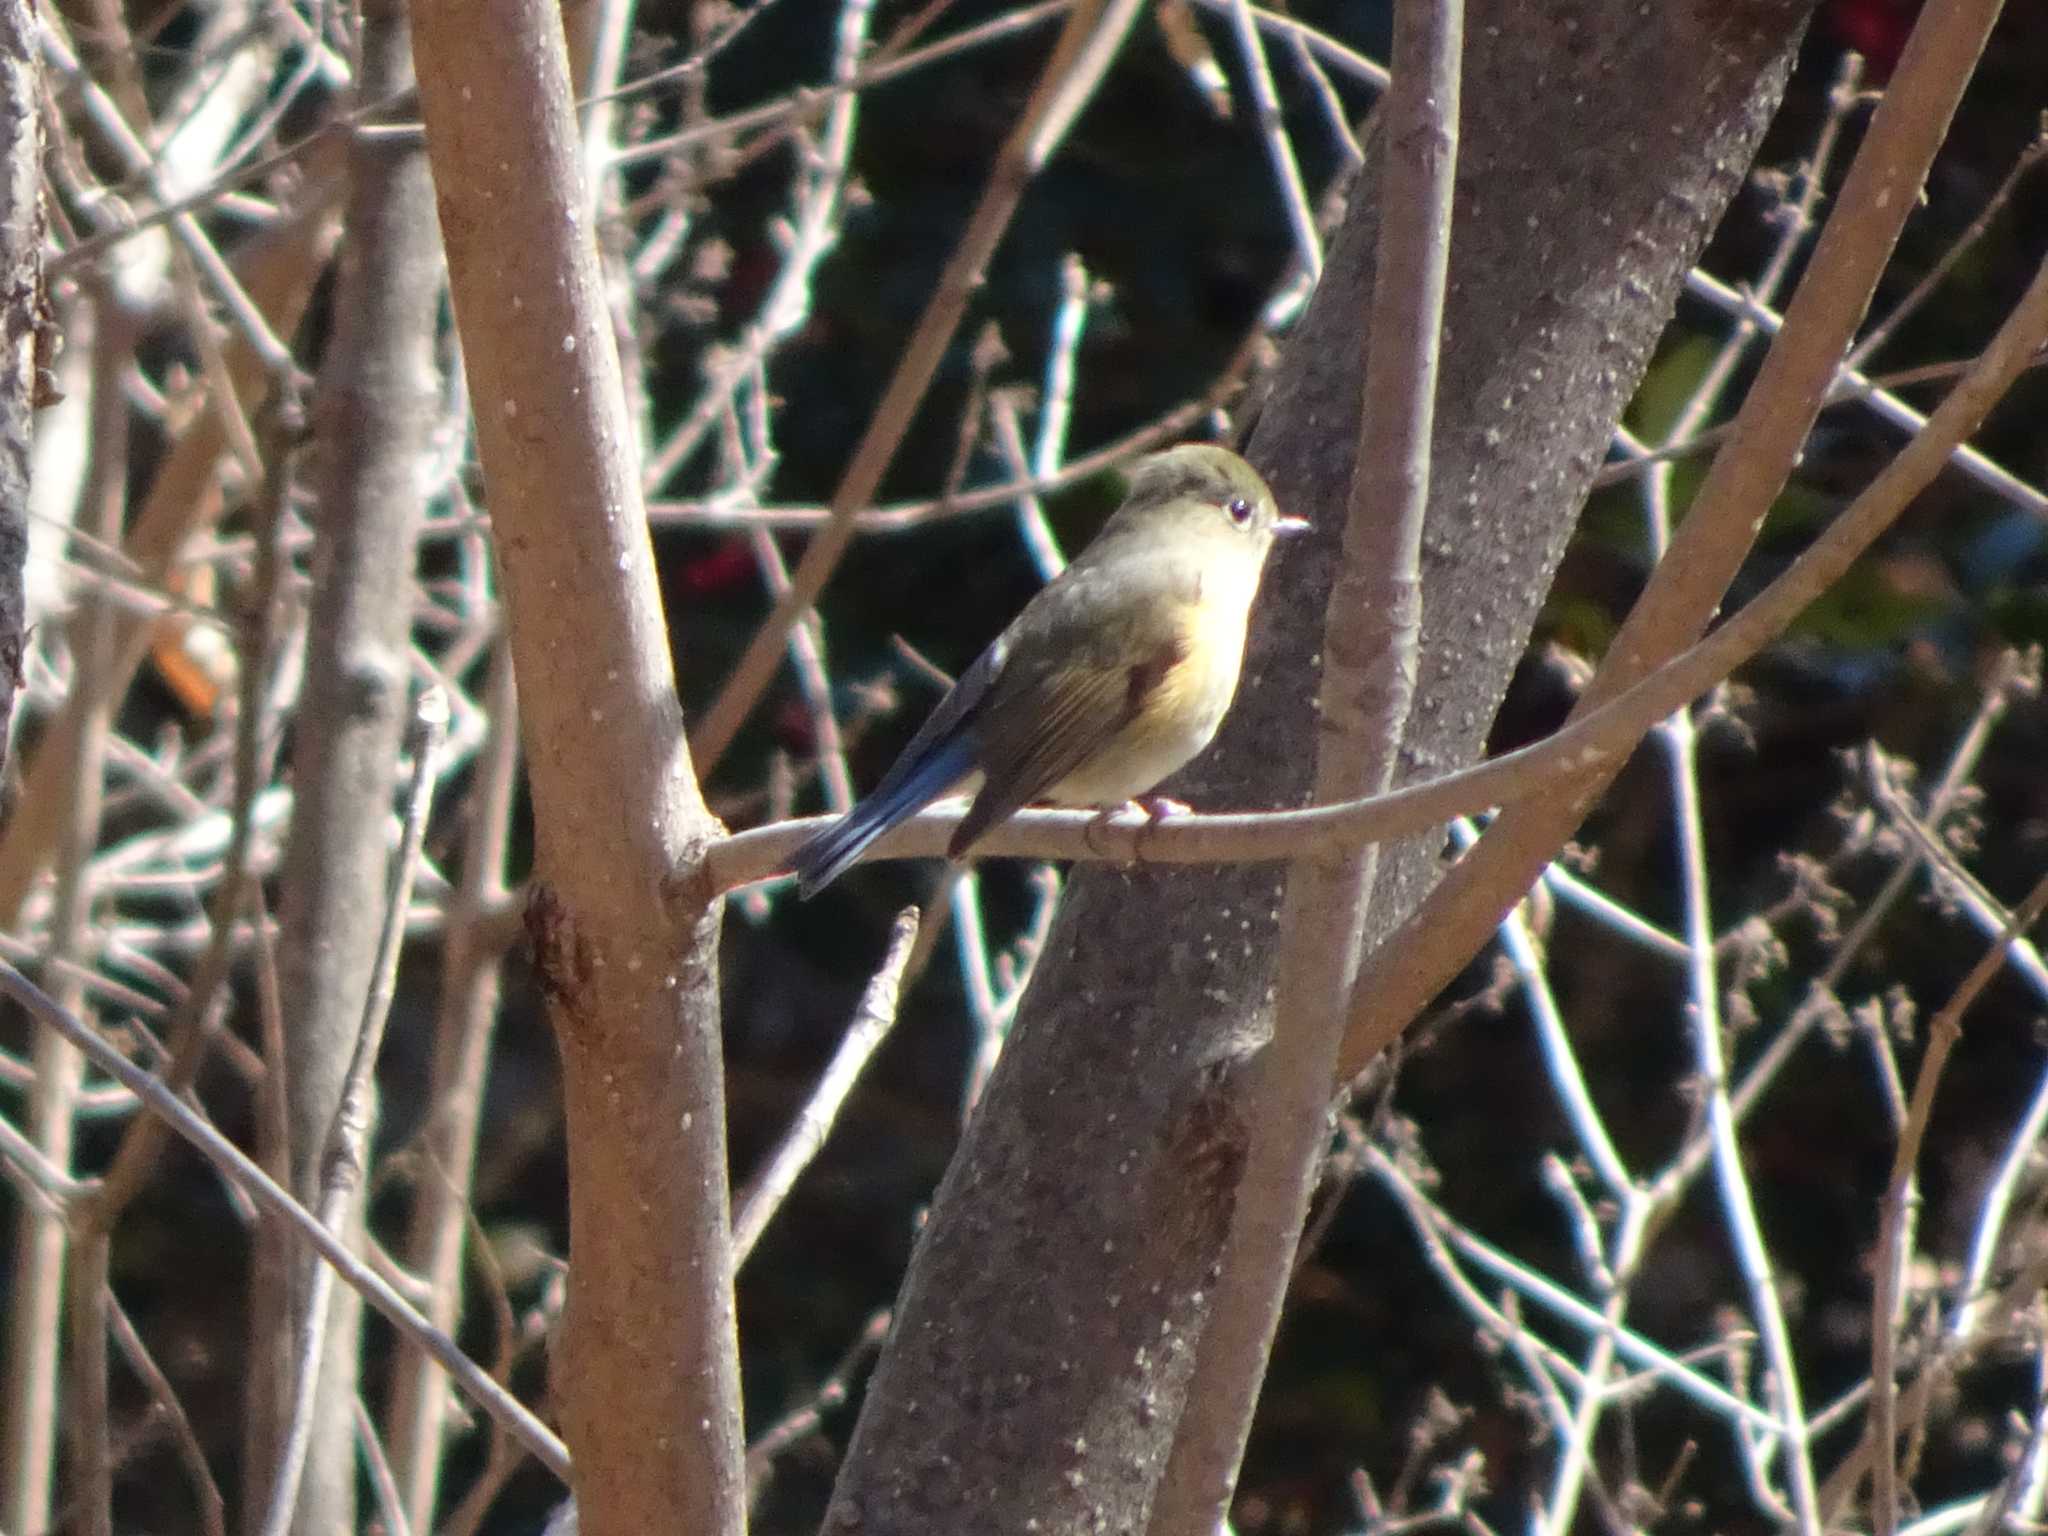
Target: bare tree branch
(625, 931)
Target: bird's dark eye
(1239, 509)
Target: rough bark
(21, 271)
(1047, 1328)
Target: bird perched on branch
(1112, 677)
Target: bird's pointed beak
(1286, 527)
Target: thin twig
(463, 1031)
(832, 1392)
(1371, 635)
(1301, 220)
(1737, 1203)
(1347, 60)
(870, 1026)
(346, 1148)
(389, 1508)
(105, 115)
(1688, 588)
(1943, 1031)
(238, 1169)
(196, 1023)
(813, 229)
(1087, 43)
(212, 1507)
(1887, 406)
(38, 1289)
(802, 105)
(1033, 528)
(906, 517)
(1937, 274)
(1454, 1240)
(39, 1180)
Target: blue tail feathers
(906, 789)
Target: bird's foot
(1159, 807)
(1145, 810)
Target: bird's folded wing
(1045, 721)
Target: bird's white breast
(1182, 712)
